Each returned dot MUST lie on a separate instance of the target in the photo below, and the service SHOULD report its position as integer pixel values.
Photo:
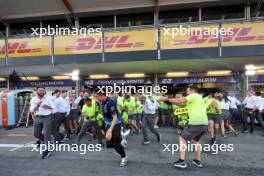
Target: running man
(42, 106)
(149, 114)
(113, 122)
(197, 125)
(90, 113)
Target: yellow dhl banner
(114, 42)
(231, 35)
(131, 41)
(77, 44)
(245, 34)
(2, 49)
(189, 37)
(23, 47)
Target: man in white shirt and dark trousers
(149, 114)
(249, 111)
(42, 105)
(63, 111)
(234, 103)
(259, 109)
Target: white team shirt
(46, 100)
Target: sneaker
(197, 163)
(245, 131)
(38, 143)
(223, 135)
(229, 132)
(156, 126)
(180, 163)
(146, 142)
(235, 133)
(123, 162)
(212, 141)
(45, 154)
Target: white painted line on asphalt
(23, 145)
(10, 145)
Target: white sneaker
(156, 126)
(123, 162)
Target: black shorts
(216, 118)
(226, 115)
(74, 114)
(193, 132)
(132, 117)
(165, 112)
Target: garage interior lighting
(99, 76)
(250, 72)
(2, 79)
(30, 78)
(134, 75)
(260, 72)
(61, 77)
(219, 73)
(177, 74)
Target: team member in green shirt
(139, 112)
(90, 112)
(130, 108)
(214, 108)
(164, 108)
(197, 124)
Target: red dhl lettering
(239, 35)
(19, 48)
(110, 42)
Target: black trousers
(247, 114)
(115, 141)
(59, 118)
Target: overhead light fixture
(99, 76)
(250, 72)
(75, 78)
(219, 73)
(30, 78)
(2, 79)
(61, 77)
(177, 74)
(253, 67)
(260, 72)
(75, 72)
(134, 75)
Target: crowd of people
(111, 118)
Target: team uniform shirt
(259, 103)
(90, 112)
(196, 110)
(63, 105)
(207, 102)
(120, 103)
(182, 113)
(150, 106)
(250, 102)
(164, 105)
(109, 108)
(217, 109)
(225, 104)
(233, 102)
(130, 105)
(139, 108)
(46, 100)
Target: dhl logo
(239, 35)
(110, 42)
(19, 47)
